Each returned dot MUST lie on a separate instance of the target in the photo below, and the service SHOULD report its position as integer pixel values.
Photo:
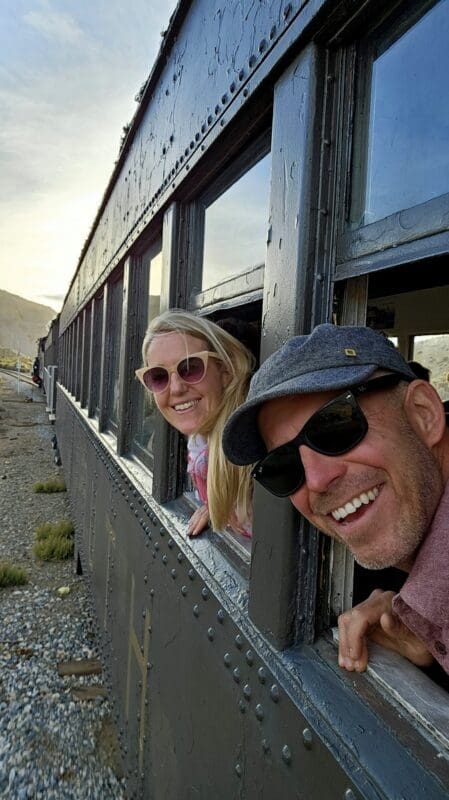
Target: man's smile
(362, 499)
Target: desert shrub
(50, 486)
(11, 575)
(54, 541)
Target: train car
(287, 164)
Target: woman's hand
(198, 521)
(374, 619)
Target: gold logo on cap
(349, 351)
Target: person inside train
(339, 423)
(198, 373)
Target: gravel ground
(52, 745)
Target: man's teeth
(361, 500)
(185, 406)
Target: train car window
(432, 351)
(96, 355)
(235, 227)
(115, 298)
(144, 424)
(86, 351)
(406, 160)
(79, 346)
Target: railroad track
(13, 374)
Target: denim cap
(331, 357)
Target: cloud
(55, 25)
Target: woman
(198, 373)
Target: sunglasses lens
(191, 370)
(156, 379)
(281, 471)
(336, 428)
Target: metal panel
(204, 707)
(236, 46)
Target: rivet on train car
(211, 634)
(196, 610)
(205, 593)
(236, 674)
(156, 545)
(241, 74)
(152, 592)
(249, 657)
(131, 505)
(274, 693)
(259, 712)
(261, 674)
(227, 660)
(150, 628)
(242, 707)
(180, 558)
(217, 109)
(172, 138)
(164, 150)
(135, 492)
(247, 691)
(245, 93)
(192, 145)
(191, 574)
(221, 616)
(239, 641)
(263, 44)
(307, 738)
(324, 212)
(349, 795)
(232, 87)
(136, 512)
(238, 770)
(197, 137)
(224, 99)
(145, 578)
(203, 147)
(164, 559)
(184, 590)
(252, 61)
(181, 159)
(203, 127)
(287, 10)
(273, 32)
(170, 543)
(265, 746)
(209, 119)
(173, 573)
(222, 122)
(286, 754)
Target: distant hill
(22, 323)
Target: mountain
(22, 323)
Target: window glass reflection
(116, 304)
(146, 409)
(235, 237)
(407, 154)
(432, 352)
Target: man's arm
(374, 619)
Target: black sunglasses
(334, 429)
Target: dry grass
(11, 575)
(54, 541)
(50, 486)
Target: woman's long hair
(228, 486)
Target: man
(338, 422)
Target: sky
(69, 73)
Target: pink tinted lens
(191, 370)
(156, 379)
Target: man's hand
(374, 619)
(198, 521)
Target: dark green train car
(288, 164)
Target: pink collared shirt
(423, 602)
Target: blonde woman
(198, 374)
